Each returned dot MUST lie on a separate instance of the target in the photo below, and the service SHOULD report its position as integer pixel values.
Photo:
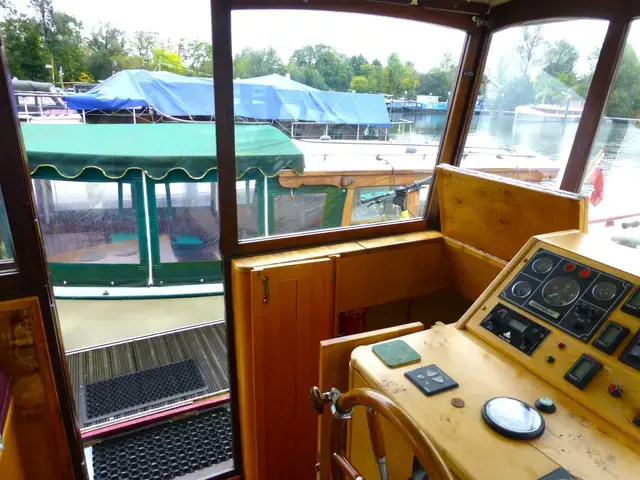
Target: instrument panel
(571, 317)
(573, 297)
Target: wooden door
(292, 311)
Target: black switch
(636, 421)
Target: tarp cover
(157, 149)
(272, 97)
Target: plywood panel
(472, 270)
(389, 274)
(498, 215)
(290, 317)
(334, 372)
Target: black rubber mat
(166, 451)
(206, 344)
(122, 394)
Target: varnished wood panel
(497, 215)
(591, 448)
(24, 359)
(471, 270)
(334, 372)
(10, 459)
(288, 325)
(385, 275)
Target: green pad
(396, 353)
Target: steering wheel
(377, 405)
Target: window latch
(265, 285)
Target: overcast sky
(351, 34)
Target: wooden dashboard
(552, 338)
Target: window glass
(373, 204)
(6, 246)
(188, 222)
(88, 222)
(247, 198)
(613, 173)
(531, 99)
(299, 212)
(342, 108)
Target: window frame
(105, 274)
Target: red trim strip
(153, 418)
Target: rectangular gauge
(633, 304)
(611, 337)
(631, 354)
(570, 295)
(583, 371)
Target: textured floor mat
(166, 451)
(122, 394)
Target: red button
(584, 273)
(561, 346)
(569, 267)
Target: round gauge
(521, 289)
(513, 418)
(542, 265)
(560, 291)
(604, 291)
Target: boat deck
(205, 344)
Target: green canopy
(115, 149)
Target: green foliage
(335, 69)
(624, 100)
(439, 80)
(66, 46)
(167, 61)
(26, 52)
(529, 46)
(359, 84)
(560, 61)
(256, 63)
(198, 56)
(307, 75)
(107, 51)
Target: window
(613, 173)
(6, 245)
(94, 232)
(348, 112)
(533, 91)
(185, 229)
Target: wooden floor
(205, 344)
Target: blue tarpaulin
(272, 97)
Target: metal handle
(265, 284)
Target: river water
(621, 163)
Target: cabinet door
(292, 311)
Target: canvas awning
(157, 149)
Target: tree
(528, 47)
(624, 100)
(392, 74)
(308, 76)
(106, 44)
(359, 84)
(439, 80)
(166, 61)
(143, 44)
(25, 49)
(357, 62)
(256, 63)
(335, 69)
(66, 46)
(198, 56)
(560, 61)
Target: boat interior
(199, 300)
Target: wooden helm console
(539, 379)
(376, 405)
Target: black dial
(521, 289)
(560, 291)
(604, 291)
(542, 265)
